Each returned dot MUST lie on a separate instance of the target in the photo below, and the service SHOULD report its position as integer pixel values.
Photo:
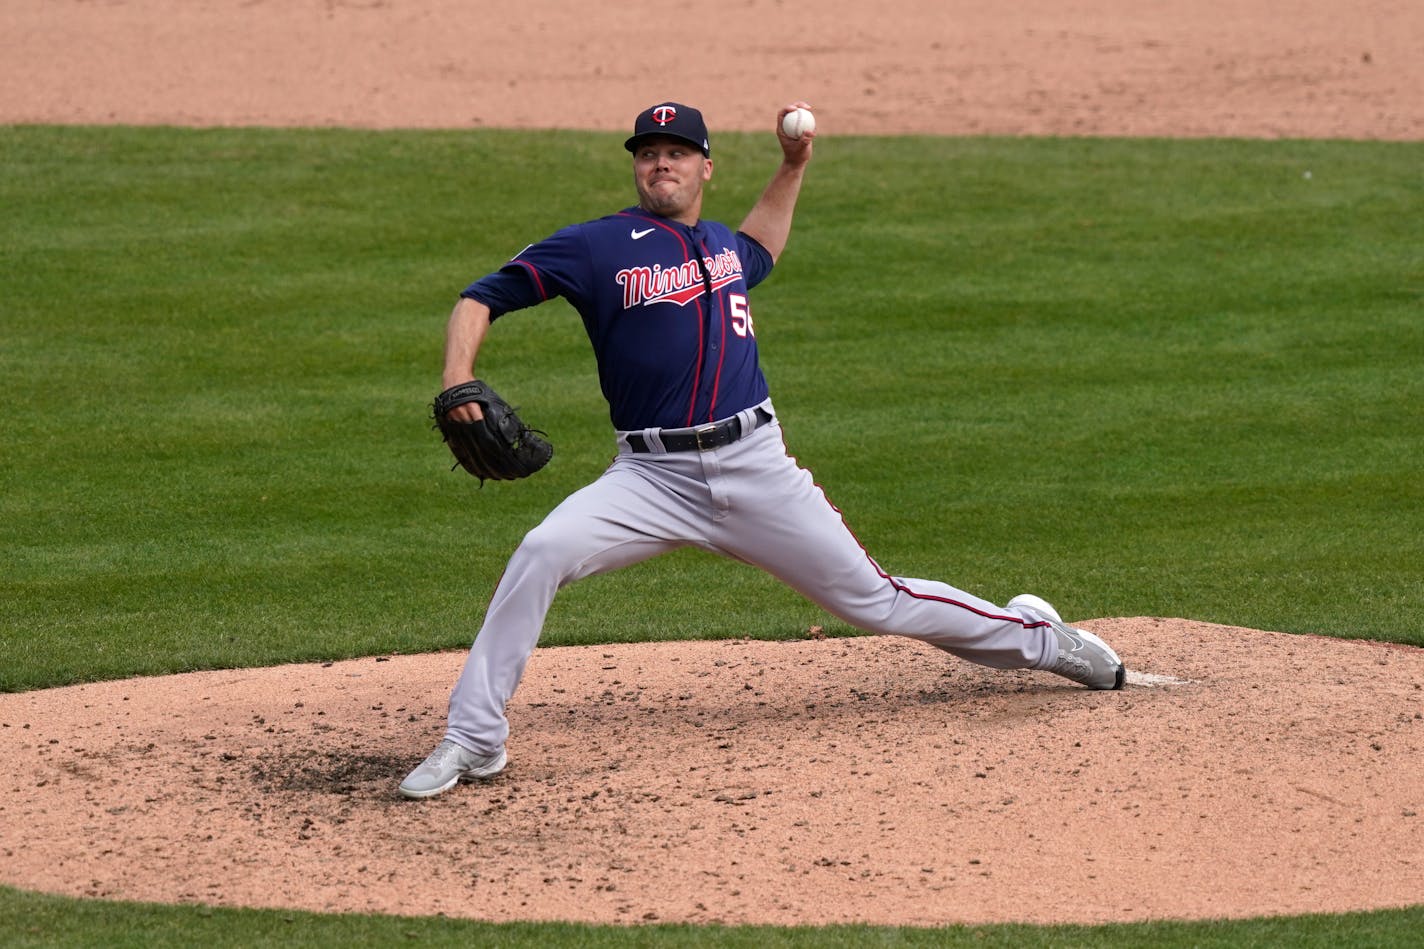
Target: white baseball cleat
(1082, 657)
(447, 765)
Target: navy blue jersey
(664, 305)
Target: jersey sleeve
(504, 291)
(756, 259)
(554, 267)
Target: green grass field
(1174, 378)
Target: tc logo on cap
(672, 120)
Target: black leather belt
(702, 438)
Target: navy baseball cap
(674, 120)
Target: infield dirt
(868, 780)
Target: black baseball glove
(499, 447)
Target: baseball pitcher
(665, 297)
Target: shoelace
(1073, 667)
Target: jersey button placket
(712, 361)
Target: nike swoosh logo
(638, 235)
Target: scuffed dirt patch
(819, 781)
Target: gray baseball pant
(749, 501)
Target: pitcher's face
(669, 174)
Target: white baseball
(798, 122)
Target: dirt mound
(1240, 773)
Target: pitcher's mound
(821, 781)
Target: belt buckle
(711, 432)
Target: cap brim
(632, 143)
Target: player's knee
(869, 620)
(547, 550)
